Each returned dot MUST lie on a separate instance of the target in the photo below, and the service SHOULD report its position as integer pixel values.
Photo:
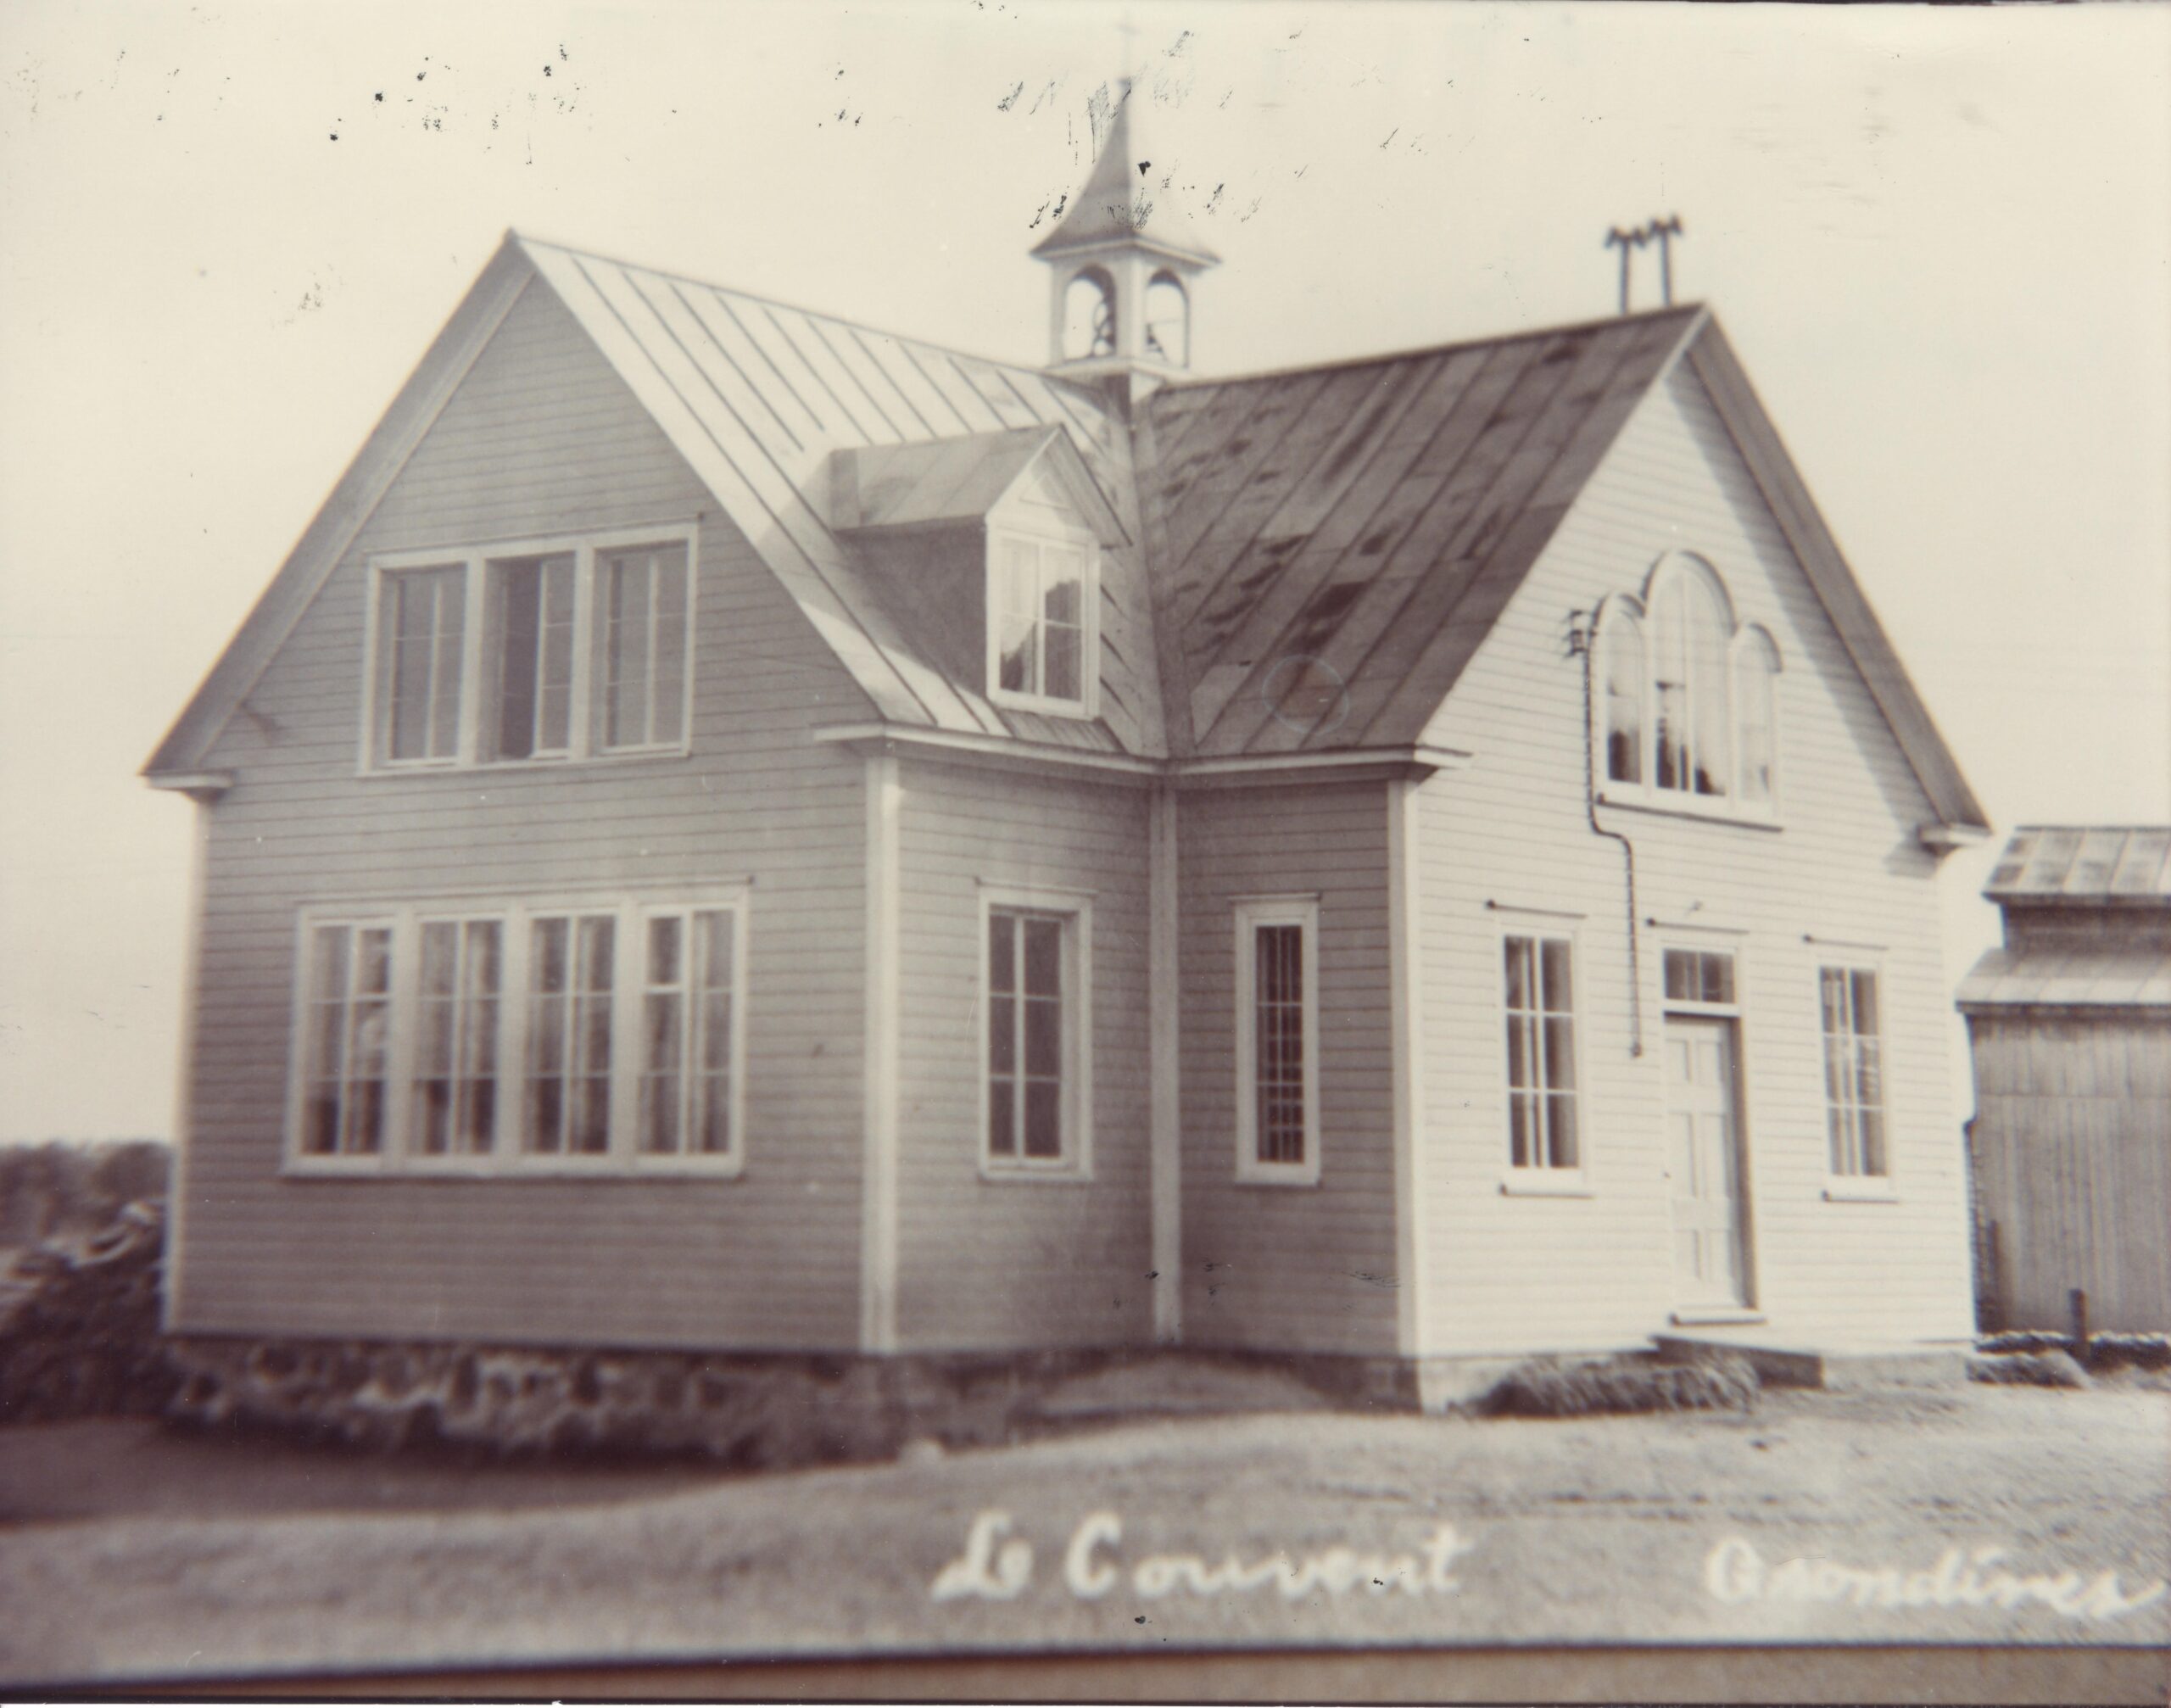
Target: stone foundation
(752, 1411)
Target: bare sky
(1939, 239)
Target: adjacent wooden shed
(2070, 1024)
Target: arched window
(1167, 320)
(1756, 663)
(1623, 673)
(1089, 315)
(1691, 631)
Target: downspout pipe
(1582, 637)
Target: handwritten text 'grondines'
(998, 1566)
(1734, 1572)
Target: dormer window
(1040, 595)
(1686, 700)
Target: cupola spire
(1122, 260)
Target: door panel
(1703, 1158)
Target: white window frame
(1251, 913)
(1530, 1179)
(399, 1154)
(1645, 794)
(1075, 909)
(1855, 1187)
(477, 697)
(1088, 546)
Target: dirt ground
(1924, 1515)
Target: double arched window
(1687, 708)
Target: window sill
(542, 1169)
(1002, 1175)
(1048, 708)
(1539, 1184)
(511, 767)
(1844, 1190)
(1282, 1178)
(1714, 1316)
(1668, 805)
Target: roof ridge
(1201, 382)
(523, 238)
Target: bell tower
(1122, 262)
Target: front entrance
(1703, 1158)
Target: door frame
(1733, 1016)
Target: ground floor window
(523, 1034)
(1035, 1111)
(1278, 1040)
(1853, 1071)
(1543, 1131)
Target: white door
(1704, 1158)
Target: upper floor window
(1042, 596)
(1686, 706)
(523, 1034)
(549, 651)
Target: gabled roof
(1374, 515)
(2095, 863)
(1373, 518)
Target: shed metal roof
(2100, 863)
(2062, 978)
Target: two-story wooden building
(735, 830)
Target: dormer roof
(1125, 200)
(948, 483)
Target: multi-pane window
(1699, 975)
(1853, 1071)
(577, 647)
(644, 647)
(1040, 609)
(1541, 1019)
(1278, 1040)
(424, 614)
(687, 1017)
(346, 1036)
(571, 965)
(1027, 1042)
(522, 1034)
(455, 1085)
(531, 625)
(1684, 703)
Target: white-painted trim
(1074, 908)
(879, 1242)
(1944, 838)
(1406, 1020)
(584, 737)
(506, 1159)
(200, 786)
(1164, 1023)
(1003, 750)
(1302, 911)
(184, 1099)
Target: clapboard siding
(2073, 1158)
(1512, 832)
(542, 438)
(986, 1264)
(1292, 1268)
